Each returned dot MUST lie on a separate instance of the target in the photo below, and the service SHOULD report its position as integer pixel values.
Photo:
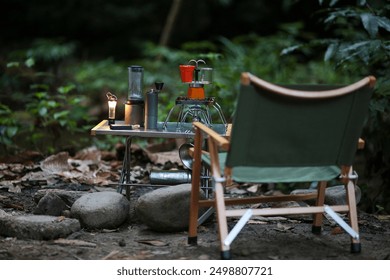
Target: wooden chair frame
(217, 143)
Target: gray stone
(3, 214)
(69, 197)
(335, 195)
(165, 209)
(38, 227)
(55, 202)
(101, 210)
(51, 204)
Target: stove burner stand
(191, 110)
(195, 106)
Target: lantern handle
(111, 96)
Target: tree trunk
(167, 31)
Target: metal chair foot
(356, 248)
(193, 241)
(226, 255)
(316, 230)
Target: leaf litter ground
(277, 238)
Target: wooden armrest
(192, 150)
(219, 140)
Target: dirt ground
(277, 238)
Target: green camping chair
(283, 135)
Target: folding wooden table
(172, 130)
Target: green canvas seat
(297, 133)
(251, 174)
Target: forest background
(59, 58)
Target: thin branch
(167, 31)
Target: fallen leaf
(74, 242)
(163, 157)
(16, 206)
(237, 191)
(18, 168)
(56, 164)
(156, 243)
(383, 217)
(161, 252)
(253, 189)
(337, 230)
(90, 153)
(3, 166)
(283, 228)
(83, 168)
(109, 230)
(8, 184)
(252, 222)
(104, 174)
(8, 175)
(60, 218)
(117, 255)
(203, 229)
(15, 189)
(204, 257)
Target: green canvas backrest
(276, 130)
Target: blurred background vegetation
(59, 58)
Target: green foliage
(38, 111)
(97, 76)
(57, 109)
(361, 44)
(8, 127)
(50, 50)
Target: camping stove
(195, 106)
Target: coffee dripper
(134, 106)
